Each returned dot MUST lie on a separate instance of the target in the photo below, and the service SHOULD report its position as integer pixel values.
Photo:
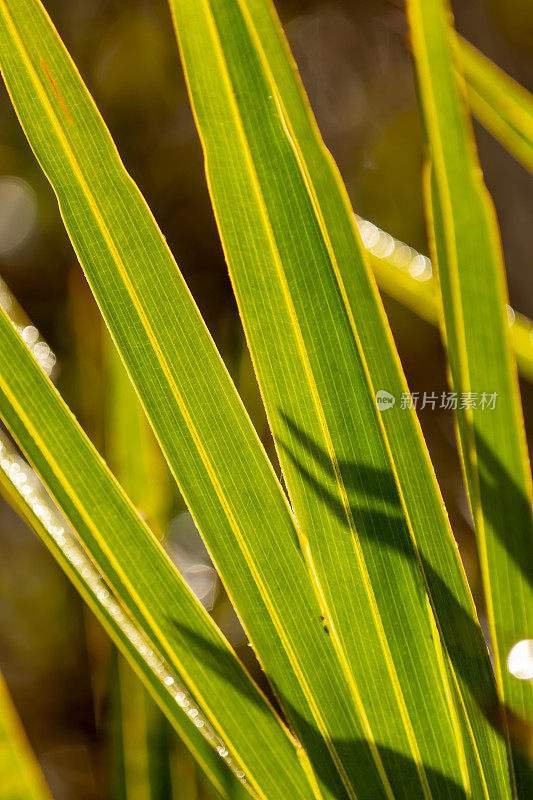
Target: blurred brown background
(356, 68)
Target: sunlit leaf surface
(154, 615)
(209, 442)
(322, 350)
(503, 106)
(474, 295)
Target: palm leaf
(502, 106)
(22, 489)
(472, 281)
(208, 440)
(142, 590)
(321, 348)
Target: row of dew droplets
(29, 333)
(35, 496)
(384, 246)
(419, 267)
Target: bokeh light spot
(18, 213)
(520, 660)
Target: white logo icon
(384, 400)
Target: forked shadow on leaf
(354, 754)
(381, 517)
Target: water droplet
(402, 255)
(369, 235)
(384, 246)
(420, 268)
(30, 334)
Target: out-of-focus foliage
(21, 775)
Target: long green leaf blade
(208, 440)
(140, 575)
(502, 106)
(472, 280)
(20, 774)
(291, 245)
(22, 489)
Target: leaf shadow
(380, 517)
(354, 754)
(511, 521)
(462, 636)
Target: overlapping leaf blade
(151, 593)
(321, 349)
(132, 452)
(502, 106)
(208, 440)
(472, 280)
(140, 744)
(29, 499)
